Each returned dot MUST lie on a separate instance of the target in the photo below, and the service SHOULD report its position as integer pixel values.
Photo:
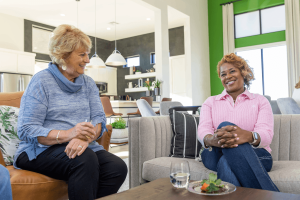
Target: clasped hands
(81, 135)
(231, 137)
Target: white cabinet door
(103, 75)
(111, 81)
(93, 73)
(8, 62)
(26, 64)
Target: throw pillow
(9, 140)
(184, 142)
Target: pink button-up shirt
(251, 112)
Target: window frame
(261, 47)
(260, 24)
(133, 56)
(41, 28)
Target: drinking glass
(180, 173)
(96, 126)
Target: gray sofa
(149, 147)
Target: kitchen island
(122, 106)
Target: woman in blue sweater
(56, 139)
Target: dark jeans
(91, 175)
(242, 166)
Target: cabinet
(108, 75)
(17, 61)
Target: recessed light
(108, 28)
(62, 15)
(148, 18)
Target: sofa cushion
(285, 174)
(160, 168)
(184, 143)
(9, 140)
(31, 185)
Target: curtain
(228, 29)
(292, 35)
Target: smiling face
(231, 78)
(76, 63)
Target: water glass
(180, 173)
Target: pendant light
(96, 61)
(115, 59)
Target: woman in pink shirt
(236, 129)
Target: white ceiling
(132, 17)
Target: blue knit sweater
(52, 102)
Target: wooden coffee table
(162, 189)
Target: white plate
(195, 186)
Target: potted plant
(138, 72)
(156, 87)
(119, 128)
(148, 84)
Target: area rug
(125, 185)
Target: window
(132, 61)
(40, 39)
(152, 58)
(263, 21)
(269, 66)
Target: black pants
(91, 175)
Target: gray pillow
(9, 140)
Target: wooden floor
(121, 150)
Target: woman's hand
(84, 131)
(76, 147)
(232, 136)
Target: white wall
(11, 32)
(196, 44)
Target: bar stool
(148, 99)
(164, 99)
(108, 108)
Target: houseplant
(119, 129)
(138, 72)
(157, 87)
(148, 84)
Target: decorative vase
(156, 91)
(148, 93)
(138, 73)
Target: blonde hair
(66, 39)
(239, 63)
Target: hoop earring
(64, 67)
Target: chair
(31, 185)
(288, 106)
(165, 106)
(108, 108)
(164, 99)
(148, 99)
(145, 109)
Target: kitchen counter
(122, 106)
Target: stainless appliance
(102, 86)
(14, 82)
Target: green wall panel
(215, 26)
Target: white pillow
(9, 140)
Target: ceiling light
(96, 61)
(115, 59)
(62, 15)
(148, 18)
(108, 28)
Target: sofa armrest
(149, 138)
(105, 139)
(2, 159)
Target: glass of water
(180, 173)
